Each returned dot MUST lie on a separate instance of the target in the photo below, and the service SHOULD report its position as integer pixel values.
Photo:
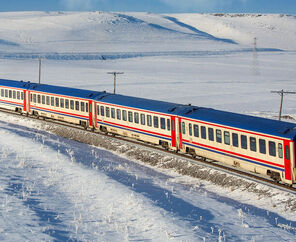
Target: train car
(13, 95)
(252, 143)
(255, 144)
(62, 103)
(143, 119)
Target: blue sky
(158, 6)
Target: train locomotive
(251, 143)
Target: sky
(156, 6)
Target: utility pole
(39, 70)
(114, 73)
(281, 93)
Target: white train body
(255, 144)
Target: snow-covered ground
(52, 188)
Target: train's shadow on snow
(108, 163)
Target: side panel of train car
(12, 96)
(136, 123)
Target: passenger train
(255, 144)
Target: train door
(173, 131)
(96, 112)
(287, 157)
(29, 102)
(25, 100)
(180, 133)
(90, 108)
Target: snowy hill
(271, 30)
(94, 31)
(128, 32)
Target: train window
(168, 124)
(112, 112)
(162, 123)
(211, 134)
(149, 120)
(253, 144)
(39, 98)
(57, 102)
(86, 107)
(43, 99)
(98, 108)
(130, 116)
(226, 138)
(10, 93)
(52, 101)
(14, 94)
(280, 150)
(31, 97)
(142, 119)
(77, 105)
(19, 96)
(235, 139)
(6, 93)
(136, 117)
(155, 121)
(272, 150)
(287, 152)
(262, 146)
(203, 132)
(195, 130)
(173, 125)
(244, 142)
(72, 104)
(2, 93)
(190, 129)
(22, 95)
(107, 112)
(124, 115)
(47, 100)
(34, 98)
(67, 103)
(102, 111)
(82, 107)
(218, 136)
(118, 114)
(62, 102)
(183, 128)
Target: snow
(270, 30)
(74, 191)
(56, 189)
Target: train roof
(241, 121)
(16, 84)
(67, 91)
(138, 103)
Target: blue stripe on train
(12, 104)
(233, 156)
(68, 115)
(140, 132)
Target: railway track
(195, 160)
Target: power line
(114, 73)
(282, 93)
